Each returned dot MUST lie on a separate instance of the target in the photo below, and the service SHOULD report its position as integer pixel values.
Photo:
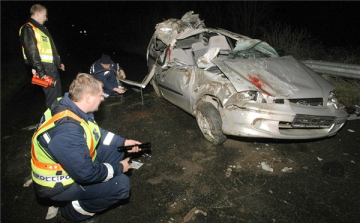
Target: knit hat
(105, 59)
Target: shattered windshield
(247, 54)
(252, 48)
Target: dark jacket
(68, 147)
(28, 41)
(107, 77)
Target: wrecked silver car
(235, 85)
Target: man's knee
(122, 186)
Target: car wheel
(156, 88)
(209, 122)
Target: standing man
(106, 71)
(75, 161)
(39, 51)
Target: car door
(174, 80)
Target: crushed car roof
(272, 75)
(190, 24)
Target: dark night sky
(336, 23)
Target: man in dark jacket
(39, 51)
(75, 161)
(106, 71)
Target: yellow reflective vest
(43, 44)
(45, 171)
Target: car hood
(281, 77)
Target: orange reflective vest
(45, 171)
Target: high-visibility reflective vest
(45, 171)
(43, 45)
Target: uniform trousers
(52, 93)
(83, 201)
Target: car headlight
(251, 96)
(332, 100)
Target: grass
(297, 42)
(347, 90)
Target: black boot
(93, 219)
(60, 218)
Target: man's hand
(126, 164)
(45, 77)
(122, 74)
(119, 90)
(130, 142)
(62, 67)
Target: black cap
(105, 59)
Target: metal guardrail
(335, 69)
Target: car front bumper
(277, 121)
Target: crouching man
(75, 161)
(105, 70)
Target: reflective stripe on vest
(54, 179)
(44, 170)
(43, 45)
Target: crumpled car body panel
(281, 76)
(257, 93)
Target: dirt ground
(186, 178)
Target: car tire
(156, 88)
(209, 121)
